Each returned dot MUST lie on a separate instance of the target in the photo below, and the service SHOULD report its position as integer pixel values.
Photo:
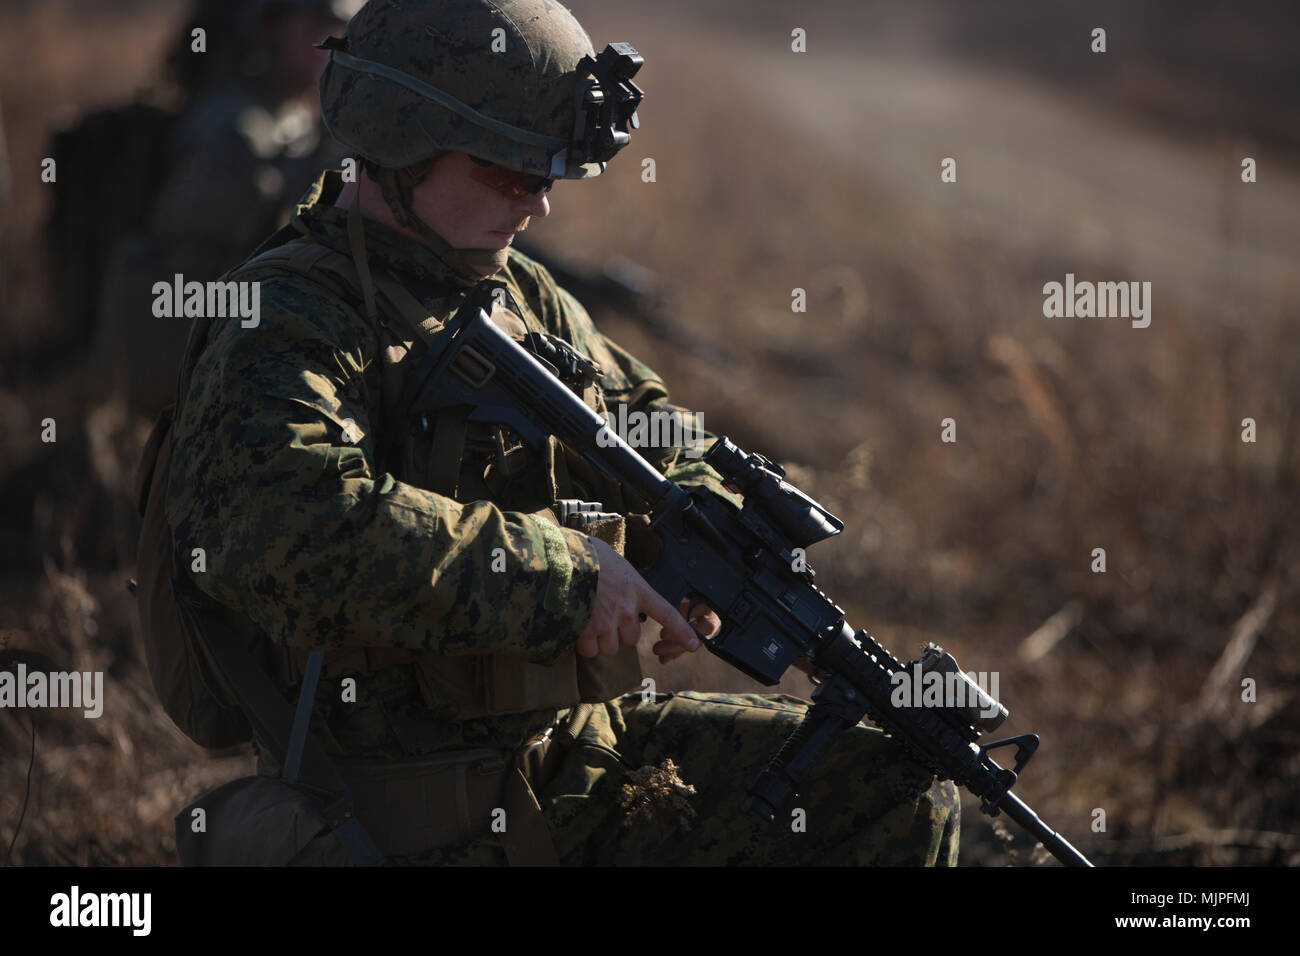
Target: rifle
(745, 562)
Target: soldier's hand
(622, 596)
(699, 615)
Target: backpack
(182, 679)
(183, 675)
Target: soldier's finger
(674, 627)
(609, 640)
(707, 623)
(629, 631)
(668, 651)
(697, 611)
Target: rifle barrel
(1052, 841)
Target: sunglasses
(508, 182)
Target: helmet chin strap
(397, 186)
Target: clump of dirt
(657, 794)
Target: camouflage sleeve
(273, 476)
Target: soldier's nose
(535, 204)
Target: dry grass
(1071, 436)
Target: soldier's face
(467, 209)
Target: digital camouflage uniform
(864, 804)
(447, 595)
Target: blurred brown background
(820, 170)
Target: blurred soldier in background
(190, 192)
(250, 139)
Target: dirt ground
(820, 171)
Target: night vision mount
(605, 103)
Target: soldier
(247, 143)
(481, 689)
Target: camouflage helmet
(514, 82)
